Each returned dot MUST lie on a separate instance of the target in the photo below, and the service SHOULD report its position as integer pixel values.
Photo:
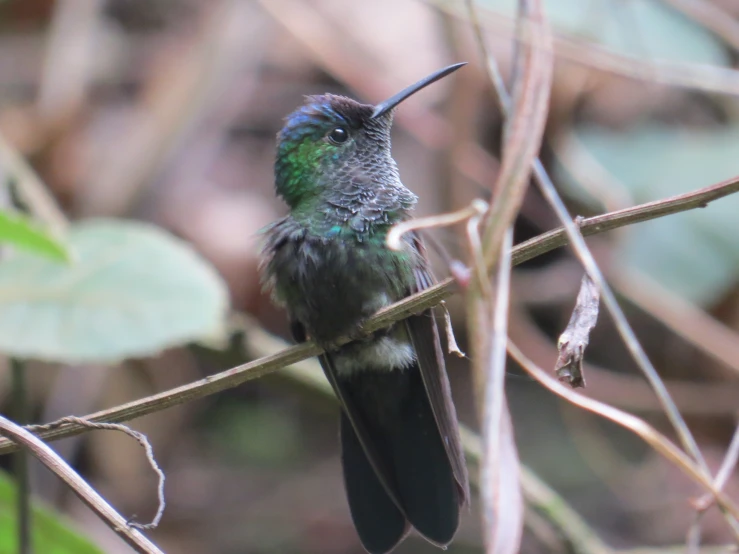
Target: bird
(327, 263)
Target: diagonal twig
(413, 304)
(525, 120)
(79, 486)
(583, 253)
(687, 320)
(655, 439)
(148, 450)
(488, 309)
(593, 271)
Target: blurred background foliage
(52, 533)
(164, 112)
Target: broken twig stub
(574, 339)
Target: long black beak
(384, 107)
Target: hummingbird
(328, 264)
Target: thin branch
(478, 270)
(451, 342)
(574, 529)
(148, 450)
(20, 458)
(679, 315)
(525, 121)
(579, 537)
(192, 391)
(630, 391)
(393, 239)
(627, 334)
(619, 318)
(79, 486)
(643, 212)
(727, 468)
(649, 434)
(546, 186)
(30, 188)
(500, 471)
(413, 304)
(488, 309)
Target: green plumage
(327, 263)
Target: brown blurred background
(166, 111)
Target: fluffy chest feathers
(331, 280)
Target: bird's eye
(338, 135)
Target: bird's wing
(425, 337)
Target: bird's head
(330, 140)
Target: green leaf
(51, 532)
(695, 254)
(133, 290)
(24, 234)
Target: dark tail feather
(398, 417)
(379, 522)
(426, 483)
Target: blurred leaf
(51, 534)
(132, 291)
(695, 254)
(641, 28)
(24, 234)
